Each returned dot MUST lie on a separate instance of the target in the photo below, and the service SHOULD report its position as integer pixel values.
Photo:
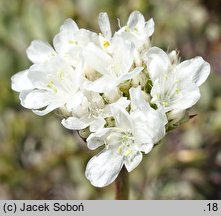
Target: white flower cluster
(126, 93)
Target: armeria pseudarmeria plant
(124, 94)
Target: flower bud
(177, 116)
(84, 133)
(173, 57)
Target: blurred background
(39, 159)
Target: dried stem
(122, 185)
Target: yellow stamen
(74, 42)
(128, 152)
(120, 150)
(127, 29)
(60, 74)
(177, 90)
(52, 86)
(106, 44)
(165, 103)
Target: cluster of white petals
(126, 93)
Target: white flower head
(91, 78)
(94, 110)
(115, 68)
(48, 86)
(71, 41)
(175, 86)
(40, 52)
(135, 132)
(137, 29)
(106, 34)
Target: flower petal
(149, 27)
(133, 160)
(103, 84)
(48, 109)
(40, 99)
(97, 139)
(130, 75)
(21, 82)
(69, 26)
(40, 51)
(122, 117)
(104, 25)
(123, 62)
(65, 41)
(137, 99)
(97, 124)
(190, 95)
(122, 102)
(35, 99)
(185, 95)
(104, 168)
(157, 62)
(148, 123)
(146, 147)
(196, 68)
(74, 123)
(97, 58)
(136, 20)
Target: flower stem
(122, 185)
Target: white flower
(68, 43)
(175, 86)
(104, 25)
(92, 112)
(106, 34)
(176, 116)
(90, 77)
(45, 87)
(134, 133)
(21, 82)
(137, 29)
(71, 41)
(40, 52)
(115, 68)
